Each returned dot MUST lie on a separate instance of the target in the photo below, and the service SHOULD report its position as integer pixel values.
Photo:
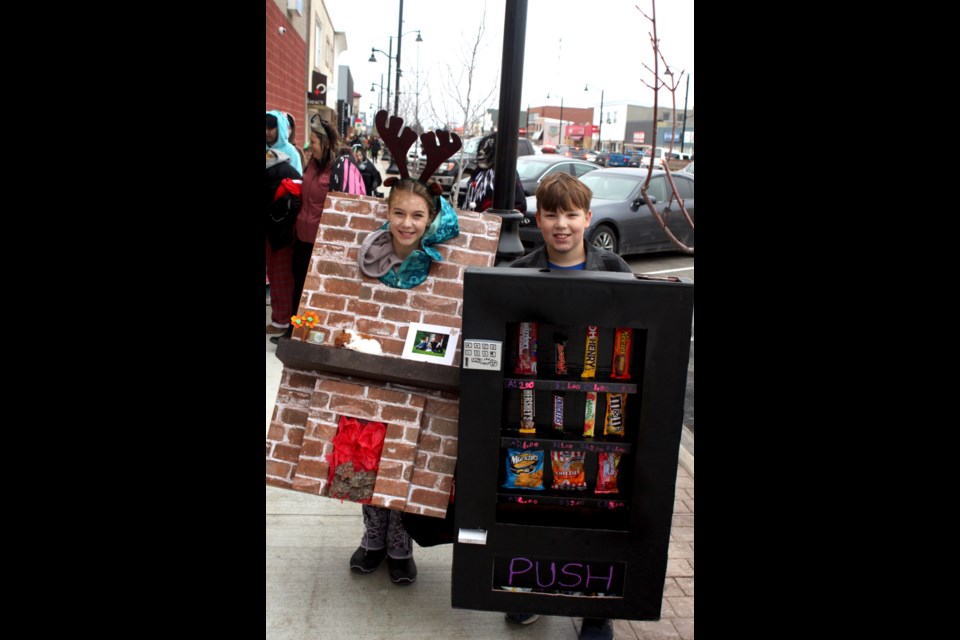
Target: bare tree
(659, 83)
(459, 87)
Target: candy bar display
(574, 406)
(568, 445)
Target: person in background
(293, 140)
(479, 195)
(563, 215)
(374, 148)
(327, 171)
(279, 240)
(400, 254)
(371, 174)
(278, 138)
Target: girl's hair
(329, 137)
(417, 188)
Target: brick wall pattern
(420, 448)
(286, 61)
(344, 298)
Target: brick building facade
(286, 60)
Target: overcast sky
(569, 44)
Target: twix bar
(622, 343)
(590, 354)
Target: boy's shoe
(596, 629)
(364, 561)
(522, 618)
(402, 571)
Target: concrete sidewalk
(313, 595)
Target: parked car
(533, 169)
(687, 169)
(524, 148)
(621, 221)
(617, 159)
(445, 175)
(659, 156)
(601, 158)
(591, 156)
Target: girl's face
(409, 219)
(316, 145)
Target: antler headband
(437, 146)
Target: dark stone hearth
(315, 357)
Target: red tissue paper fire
(355, 459)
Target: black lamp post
(390, 59)
(560, 137)
(683, 131)
(600, 127)
(380, 98)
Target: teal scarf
(414, 269)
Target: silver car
(621, 221)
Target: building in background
(301, 50)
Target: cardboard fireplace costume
(572, 391)
(323, 385)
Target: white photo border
(453, 336)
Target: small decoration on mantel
(348, 339)
(303, 324)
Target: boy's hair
(563, 192)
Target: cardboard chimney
(321, 383)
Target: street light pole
(683, 131)
(600, 126)
(373, 58)
(599, 144)
(396, 94)
(561, 121)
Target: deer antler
(397, 138)
(437, 146)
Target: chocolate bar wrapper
(590, 354)
(622, 343)
(558, 400)
(527, 412)
(590, 414)
(526, 349)
(613, 424)
(560, 353)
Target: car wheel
(604, 238)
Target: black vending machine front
(571, 407)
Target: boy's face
(563, 232)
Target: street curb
(686, 460)
(686, 449)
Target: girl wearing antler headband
(400, 254)
(401, 251)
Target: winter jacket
(282, 144)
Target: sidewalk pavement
(313, 595)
